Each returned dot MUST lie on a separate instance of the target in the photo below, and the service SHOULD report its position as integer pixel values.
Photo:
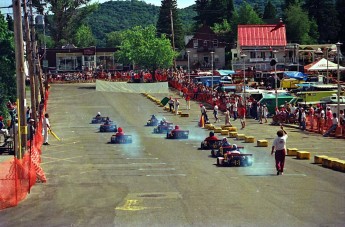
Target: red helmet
(119, 129)
(200, 105)
(177, 127)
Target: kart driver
(212, 137)
(177, 128)
(98, 115)
(107, 121)
(119, 132)
(225, 142)
(163, 121)
(153, 119)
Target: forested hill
(120, 15)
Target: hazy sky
(180, 3)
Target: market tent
(295, 75)
(322, 65)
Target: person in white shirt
(215, 113)
(279, 148)
(46, 127)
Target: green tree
(270, 11)
(8, 86)
(299, 28)
(113, 39)
(203, 13)
(340, 6)
(168, 11)
(287, 3)
(84, 37)
(246, 15)
(142, 47)
(325, 15)
(66, 18)
(218, 11)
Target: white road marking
(167, 175)
(162, 169)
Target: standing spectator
(260, 113)
(28, 113)
(215, 112)
(234, 109)
(171, 104)
(264, 113)
(227, 117)
(335, 122)
(46, 127)
(279, 148)
(187, 98)
(242, 115)
(341, 117)
(177, 104)
(204, 113)
(303, 119)
(31, 129)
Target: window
(252, 54)
(205, 43)
(215, 43)
(262, 55)
(195, 43)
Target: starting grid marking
(59, 159)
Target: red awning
(262, 35)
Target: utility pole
(172, 34)
(29, 55)
(19, 53)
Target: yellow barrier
(292, 151)
(241, 136)
(217, 130)
(249, 139)
(224, 132)
(262, 143)
(319, 158)
(233, 134)
(303, 155)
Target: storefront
(80, 59)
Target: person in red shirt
(119, 132)
(242, 115)
(211, 137)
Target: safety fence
(18, 175)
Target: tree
(287, 3)
(168, 12)
(299, 28)
(325, 15)
(142, 47)
(246, 15)
(270, 11)
(218, 11)
(203, 12)
(8, 86)
(84, 37)
(340, 6)
(66, 18)
(113, 39)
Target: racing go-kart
(210, 144)
(180, 134)
(235, 159)
(98, 120)
(152, 122)
(223, 150)
(108, 127)
(124, 139)
(164, 128)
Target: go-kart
(223, 150)
(180, 134)
(121, 139)
(210, 144)
(110, 127)
(235, 159)
(163, 128)
(98, 120)
(152, 122)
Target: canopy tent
(322, 65)
(295, 75)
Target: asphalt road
(159, 182)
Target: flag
(53, 134)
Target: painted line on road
(138, 163)
(142, 158)
(161, 169)
(167, 175)
(59, 159)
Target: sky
(180, 3)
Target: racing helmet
(163, 119)
(234, 146)
(119, 129)
(211, 133)
(224, 140)
(177, 127)
(98, 113)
